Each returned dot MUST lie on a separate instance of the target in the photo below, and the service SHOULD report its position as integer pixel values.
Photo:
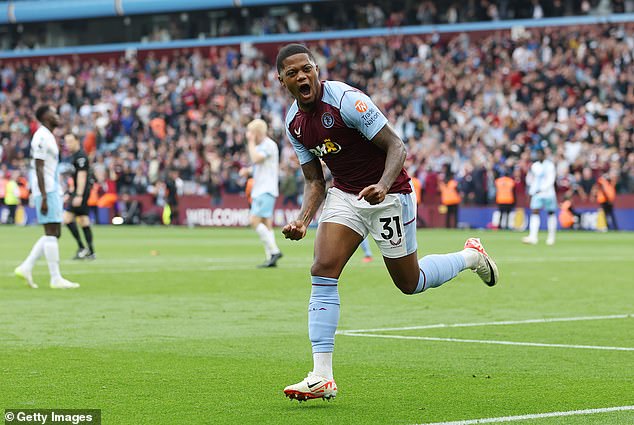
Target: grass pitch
(177, 326)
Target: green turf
(197, 334)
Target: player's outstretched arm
(388, 141)
(314, 194)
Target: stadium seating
(480, 102)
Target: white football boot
(25, 275)
(486, 269)
(313, 386)
(529, 241)
(61, 283)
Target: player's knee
(408, 290)
(407, 287)
(325, 269)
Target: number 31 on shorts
(389, 225)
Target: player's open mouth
(304, 90)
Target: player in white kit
(264, 155)
(541, 187)
(47, 195)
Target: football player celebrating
(371, 195)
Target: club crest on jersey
(327, 120)
(328, 147)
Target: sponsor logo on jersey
(360, 106)
(328, 147)
(327, 120)
(370, 117)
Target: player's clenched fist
(374, 194)
(295, 230)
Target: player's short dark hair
(290, 50)
(41, 111)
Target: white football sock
(36, 252)
(552, 227)
(496, 220)
(323, 364)
(533, 226)
(272, 245)
(471, 257)
(263, 232)
(51, 251)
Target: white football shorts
(392, 223)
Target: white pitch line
(167, 257)
(486, 341)
(162, 259)
(551, 259)
(116, 271)
(506, 322)
(536, 416)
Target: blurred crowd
(352, 14)
(299, 17)
(477, 107)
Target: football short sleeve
(81, 163)
(303, 154)
(263, 150)
(38, 147)
(358, 111)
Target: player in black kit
(76, 208)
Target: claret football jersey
(339, 131)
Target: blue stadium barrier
(50, 11)
(329, 35)
(480, 217)
(4, 13)
(37, 11)
(137, 7)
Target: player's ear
(281, 80)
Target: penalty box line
(535, 416)
(504, 322)
(487, 341)
(368, 333)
